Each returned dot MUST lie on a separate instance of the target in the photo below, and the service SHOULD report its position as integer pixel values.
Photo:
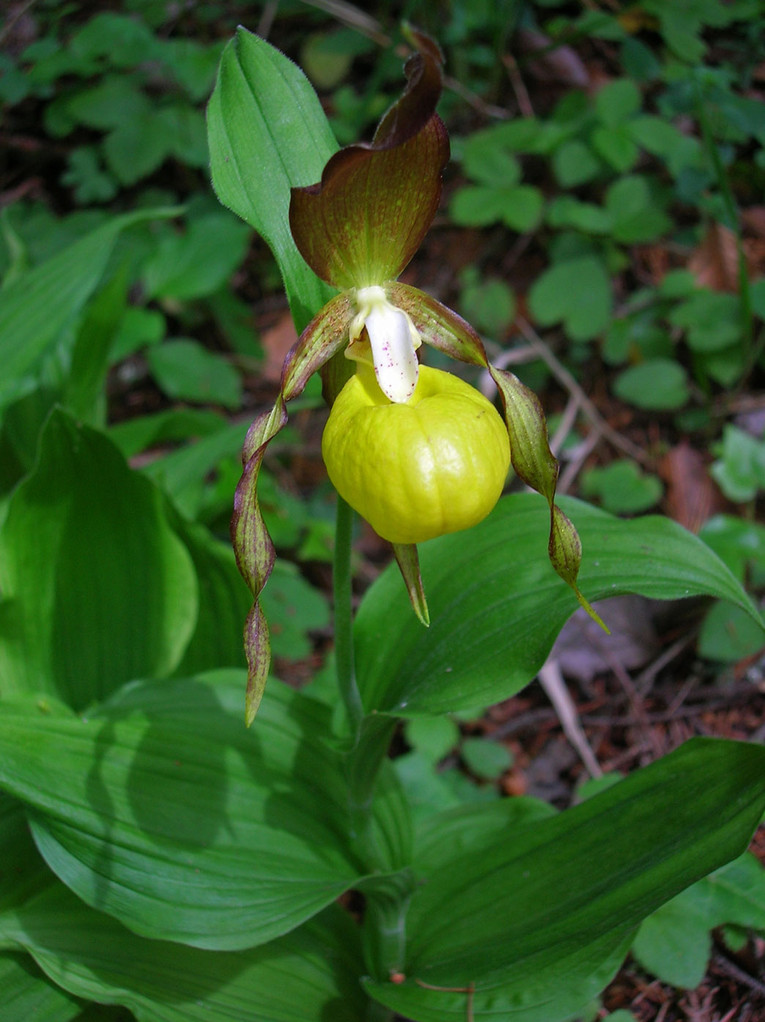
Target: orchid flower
(357, 229)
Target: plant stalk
(343, 600)
(389, 887)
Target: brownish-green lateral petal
(533, 461)
(254, 550)
(565, 550)
(438, 325)
(536, 465)
(324, 336)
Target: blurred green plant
(622, 487)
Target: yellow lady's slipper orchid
(431, 465)
(417, 452)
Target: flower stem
(370, 735)
(343, 598)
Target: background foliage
(602, 227)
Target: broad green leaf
(433, 737)
(161, 428)
(84, 390)
(36, 307)
(186, 130)
(311, 975)
(192, 64)
(574, 163)
(739, 470)
(29, 996)
(489, 305)
(187, 371)
(124, 40)
(137, 146)
(268, 133)
(472, 828)
(519, 207)
(23, 872)
(487, 163)
(738, 542)
(114, 100)
(566, 211)
(139, 327)
(551, 991)
(497, 606)
(712, 320)
(557, 898)
(224, 601)
(97, 589)
(166, 812)
(662, 138)
(674, 943)
(484, 758)
(199, 261)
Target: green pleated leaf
(23, 873)
(268, 133)
(552, 991)
(97, 588)
(84, 394)
(38, 305)
(496, 605)
(568, 890)
(223, 602)
(311, 975)
(29, 996)
(164, 811)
